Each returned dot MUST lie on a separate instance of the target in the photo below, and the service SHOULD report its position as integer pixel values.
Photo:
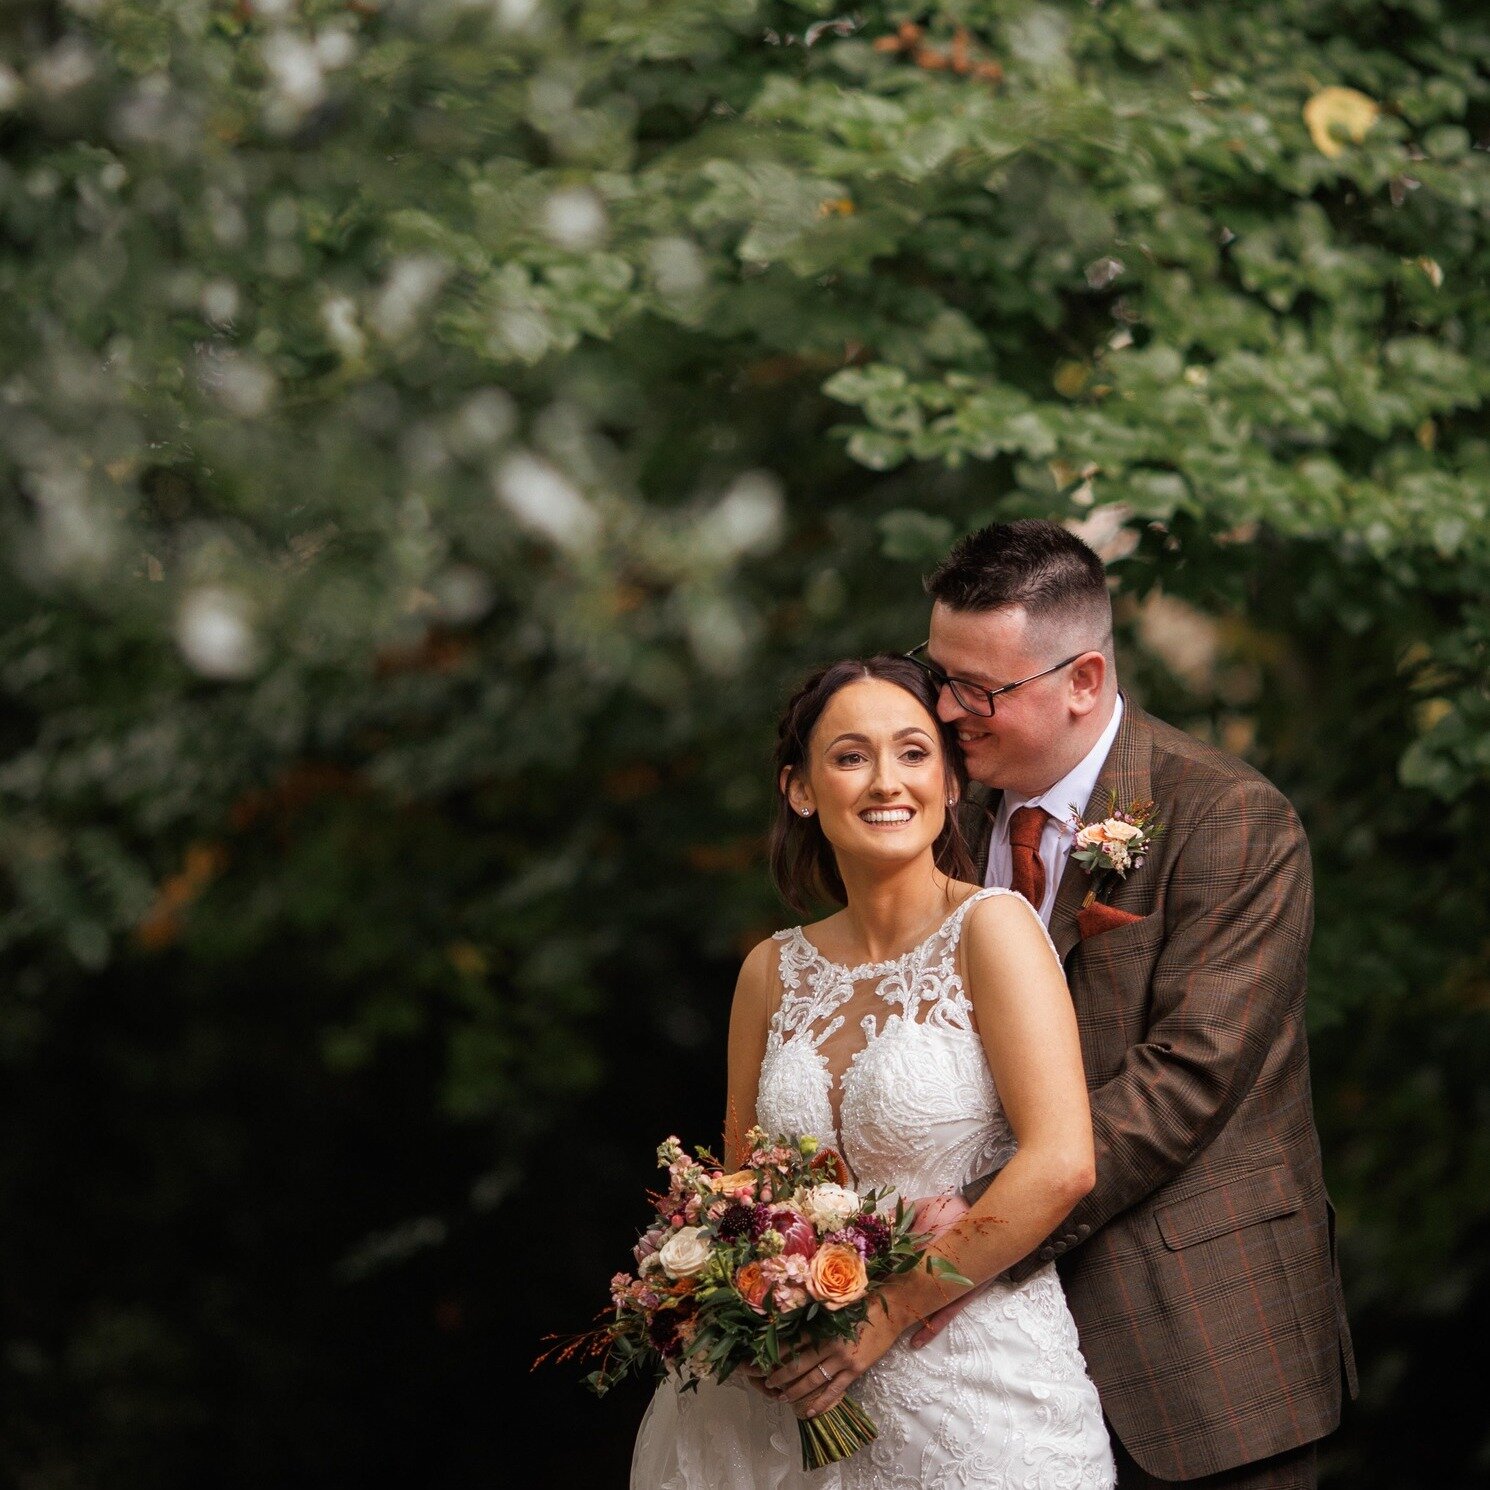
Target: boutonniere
(1107, 848)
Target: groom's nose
(948, 710)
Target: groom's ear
(1088, 675)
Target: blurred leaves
(434, 435)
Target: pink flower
(648, 1243)
(788, 1276)
(797, 1232)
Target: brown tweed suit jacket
(1201, 1269)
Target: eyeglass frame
(946, 680)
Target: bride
(924, 1029)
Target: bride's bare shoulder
(1005, 922)
(755, 970)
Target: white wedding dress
(887, 1057)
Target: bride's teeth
(894, 815)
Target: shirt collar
(1077, 785)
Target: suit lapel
(1124, 775)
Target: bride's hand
(816, 1379)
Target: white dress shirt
(1074, 788)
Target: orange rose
(752, 1285)
(836, 1276)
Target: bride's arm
(1028, 1027)
(748, 1017)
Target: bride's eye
(848, 758)
(915, 755)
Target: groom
(1201, 1269)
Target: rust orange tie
(1026, 824)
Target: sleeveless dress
(886, 1061)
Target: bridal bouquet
(747, 1267)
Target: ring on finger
(827, 1379)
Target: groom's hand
(934, 1324)
(935, 1214)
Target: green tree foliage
(434, 434)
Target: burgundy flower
(735, 1222)
(850, 1237)
(664, 1330)
(876, 1233)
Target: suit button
(1083, 1231)
(1070, 1239)
(1045, 1254)
(1058, 1246)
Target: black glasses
(973, 697)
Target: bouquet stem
(833, 1435)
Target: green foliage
(434, 435)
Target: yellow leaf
(1345, 110)
(1431, 711)
(467, 958)
(836, 207)
(1071, 377)
(1433, 270)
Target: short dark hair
(804, 866)
(1031, 563)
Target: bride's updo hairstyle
(803, 865)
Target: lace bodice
(885, 1060)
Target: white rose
(1122, 832)
(829, 1207)
(685, 1252)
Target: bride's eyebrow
(864, 739)
(900, 734)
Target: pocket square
(1094, 919)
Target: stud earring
(805, 811)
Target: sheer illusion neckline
(856, 972)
